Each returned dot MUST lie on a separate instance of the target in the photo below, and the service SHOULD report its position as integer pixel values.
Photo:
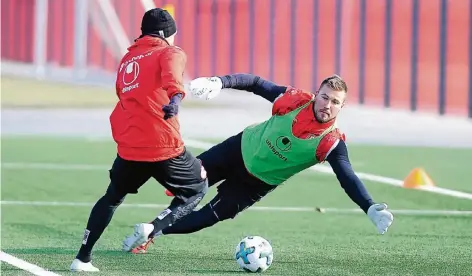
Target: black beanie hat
(158, 22)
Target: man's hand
(205, 87)
(172, 109)
(380, 216)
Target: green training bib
(273, 154)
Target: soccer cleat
(78, 266)
(139, 237)
(169, 193)
(142, 249)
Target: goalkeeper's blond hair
(335, 83)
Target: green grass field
(305, 243)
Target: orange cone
(417, 177)
(170, 8)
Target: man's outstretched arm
(255, 84)
(352, 185)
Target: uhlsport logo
(131, 73)
(283, 143)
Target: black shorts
(181, 175)
(238, 189)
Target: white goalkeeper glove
(380, 216)
(205, 87)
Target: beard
(321, 120)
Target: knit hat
(158, 22)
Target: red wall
(17, 19)
(294, 42)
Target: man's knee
(184, 205)
(191, 191)
(192, 194)
(224, 209)
(200, 194)
(114, 196)
(203, 189)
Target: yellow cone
(170, 8)
(417, 177)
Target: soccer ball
(254, 254)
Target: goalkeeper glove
(380, 216)
(205, 87)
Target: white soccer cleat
(77, 266)
(139, 237)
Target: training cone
(416, 178)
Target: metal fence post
(470, 61)
(40, 37)
(80, 38)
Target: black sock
(177, 210)
(100, 217)
(194, 222)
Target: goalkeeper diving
(301, 132)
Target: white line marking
(19, 263)
(76, 204)
(401, 212)
(203, 145)
(253, 208)
(55, 166)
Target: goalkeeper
(300, 133)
